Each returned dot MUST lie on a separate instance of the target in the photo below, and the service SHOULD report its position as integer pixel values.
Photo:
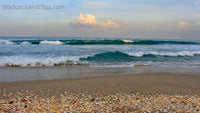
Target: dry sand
(147, 83)
(136, 92)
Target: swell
(96, 42)
(118, 56)
(113, 58)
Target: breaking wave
(170, 54)
(6, 42)
(50, 43)
(118, 56)
(128, 41)
(26, 61)
(25, 43)
(109, 57)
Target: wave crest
(26, 61)
(99, 42)
(108, 57)
(25, 43)
(45, 42)
(118, 56)
(6, 42)
(171, 54)
(128, 41)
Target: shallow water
(8, 74)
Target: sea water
(31, 52)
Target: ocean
(40, 52)
(31, 52)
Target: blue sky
(165, 19)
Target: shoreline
(51, 73)
(155, 83)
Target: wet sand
(92, 89)
(147, 83)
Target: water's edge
(8, 74)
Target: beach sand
(160, 92)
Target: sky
(162, 19)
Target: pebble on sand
(118, 102)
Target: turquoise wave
(118, 56)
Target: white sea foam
(27, 61)
(122, 65)
(181, 53)
(6, 42)
(25, 43)
(45, 42)
(127, 41)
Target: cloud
(90, 21)
(198, 23)
(181, 24)
(96, 4)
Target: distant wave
(51, 42)
(175, 54)
(128, 41)
(97, 42)
(6, 42)
(25, 43)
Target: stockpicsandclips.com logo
(32, 7)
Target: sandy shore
(93, 90)
(147, 83)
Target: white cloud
(96, 3)
(90, 21)
(181, 24)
